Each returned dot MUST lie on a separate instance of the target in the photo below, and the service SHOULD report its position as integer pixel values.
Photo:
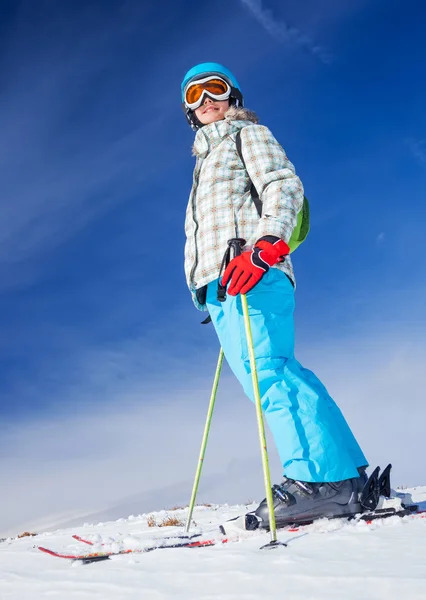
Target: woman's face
(211, 110)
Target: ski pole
(260, 423)
(205, 438)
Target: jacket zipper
(195, 187)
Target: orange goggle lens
(213, 87)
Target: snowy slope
(332, 560)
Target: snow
(325, 561)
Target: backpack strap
(253, 191)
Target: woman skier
(323, 465)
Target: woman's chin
(211, 118)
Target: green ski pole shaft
(260, 423)
(205, 438)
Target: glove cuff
(274, 246)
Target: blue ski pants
(313, 440)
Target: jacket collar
(210, 136)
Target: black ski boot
(363, 478)
(298, 502)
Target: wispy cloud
(67, 154)
(92, 459)
(146, 438)
(418, 149)
(282, 31)
(380, 238)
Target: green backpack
(301, 230)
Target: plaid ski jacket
(220, 206)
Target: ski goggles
(213, 86)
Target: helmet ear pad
(192, 118)
(236, 97)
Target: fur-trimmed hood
(238, 113)
(209, 136)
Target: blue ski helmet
(203, 70)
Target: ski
(375, 499)
(155, 539)
(87, 558)
(250, 521)
(100, 556)
(368, 518)
(84, 558)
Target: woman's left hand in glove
(247, 269)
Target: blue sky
(95, 170)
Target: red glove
(247, 269)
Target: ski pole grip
(236, 245)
